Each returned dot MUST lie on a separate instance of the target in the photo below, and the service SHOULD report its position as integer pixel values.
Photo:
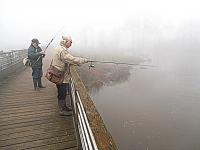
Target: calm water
(157, 108)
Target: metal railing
(10, 59)
(81, 121)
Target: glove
(42, 53)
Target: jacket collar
(64, 48)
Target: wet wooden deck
(29, 119)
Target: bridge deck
(29, 119)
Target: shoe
(65, 113)
(41, 86)
(40, 83)
(68, 108)
(36, 89)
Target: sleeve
(32, 54)
(68, 58)
(39, 49)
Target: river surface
(156, 108)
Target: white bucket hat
(66, 38)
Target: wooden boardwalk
(29, 119)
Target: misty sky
(104, 24)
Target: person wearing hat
(62, 60)
(35, 54)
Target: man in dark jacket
(35, 54)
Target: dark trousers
(63, 90)
(37, 74)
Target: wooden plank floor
(29, 119)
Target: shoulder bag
(54, 75)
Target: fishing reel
(91, 65)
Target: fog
(138, 28)
(163, 100)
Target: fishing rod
(50, 43)
(116, 63)
(53, 39)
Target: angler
(35, 57)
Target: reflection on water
(104, 75)
(156, 108)
(96, 87)
(119, 78)
(114, 78)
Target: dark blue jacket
(35, 56)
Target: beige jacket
(62, 56)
